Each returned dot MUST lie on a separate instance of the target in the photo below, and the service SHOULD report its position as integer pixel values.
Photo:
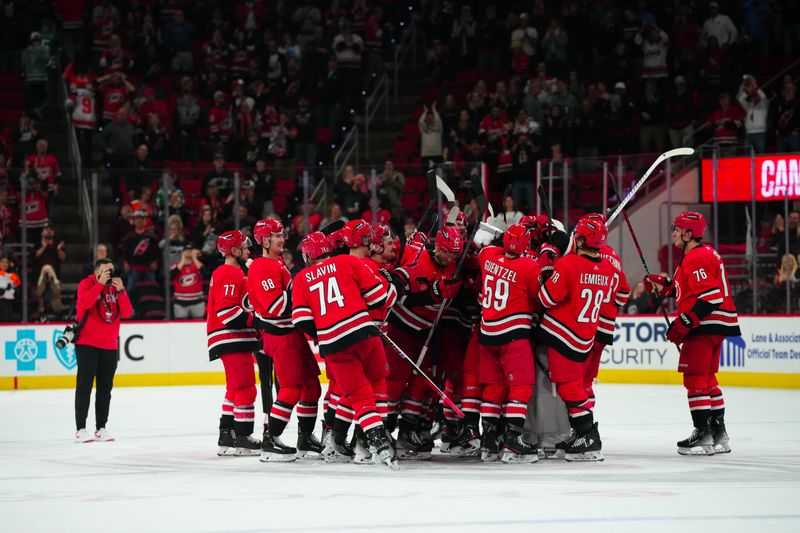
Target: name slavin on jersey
(595, 279)
(501, 272)
(320, 271)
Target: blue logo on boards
(26, 350)
(732, 353)
(66, 355)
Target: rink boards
(174, 353)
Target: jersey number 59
(496, 296)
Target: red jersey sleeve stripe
(231, 316)
(278, 307)
(545, 298)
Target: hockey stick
(483, 206)
(447, 401)
(663, 157)
(639, 250)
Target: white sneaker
(82, 436)
(103, 435)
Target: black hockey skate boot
(226, 443)
(308, 447)
(450, 432)
(517, 450)
(273, 450)
(563, 445)
(247, 445)
(586, 446)
(336, 449)
(379, 444)
(719, 435)
(467, 443)
(411, 444)
(491, 442)
(700, 442)
(361, 449)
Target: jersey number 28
(327, 295)
(593, 301)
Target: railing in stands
(378, 96)
(348, 149)
(408, 44)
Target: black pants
(94, 363)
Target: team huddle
(496, 307)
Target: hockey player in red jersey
(269, 285)
(331, 299)
(232, 338)
(706, 315)
(426, 285)
(572, 298)
(616, 298)
(510, 288)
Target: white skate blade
(308, 455)
(82, 441)
(392, 465)
(584, 457)
(509, 457)
(245, 452)
(471, 449)
(707, 449)
(225, 451)
(444, 448)
(364, 460)
(413, 456)
(271, 457)
(722, 447)
(550, 453)
(331, 456)
(487, 457)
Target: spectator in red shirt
(152, 105)
(493, 126)
(115, 88)
(46, 167)
(726, 121)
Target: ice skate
(450, 432)
(363, 455)
(491, 441)
(720, 436)
(308, 447)
(247, 445)
(411, 445)
(83, 436)
(226, 443)
(700, 442)
(516, 450)
(103, 435)
(561, 447)
(467, 443)
(586, 446)
(273, 450)
(337, 452)
(377, 441)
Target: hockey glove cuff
(653, 281)
(681, 327)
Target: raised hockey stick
(447, 401)
(639, 250)
(663, 157)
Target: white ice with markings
(162, 474)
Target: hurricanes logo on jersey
(188, 280)
(142, 247)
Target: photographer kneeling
(102, 302)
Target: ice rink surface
(162, 474)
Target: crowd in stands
(173, 98)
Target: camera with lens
(70, 335)
(110, 280)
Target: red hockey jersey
(187, 284)
(701, 278)
(510, 288)
(572, 298)
(616, 298)
(269, 284)
(416, 312)
(332, 300)
(228, 323)
(378, 315)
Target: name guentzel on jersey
(500, 272)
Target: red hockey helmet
(516, 239)
(529, 221)
(593, 216)
(379, 233)
(266, 228)
(691, 221)
(357, 233)
(230, 240)
(594, 233)
(336, 239)
(314, 246)
(449, 241)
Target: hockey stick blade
(452, 216)
(447, 401)
(333, 226)
(663, 157)
(491, 209)
(446, 191)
